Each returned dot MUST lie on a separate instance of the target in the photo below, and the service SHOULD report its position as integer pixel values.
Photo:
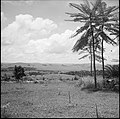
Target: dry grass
(52, 100)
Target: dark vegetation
(18, 73)
(83, 73)
(111, 81)
(112, 71)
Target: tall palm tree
(107, 20)
(97, 19)
(87, 15)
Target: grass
(40, 101)
(102, 85)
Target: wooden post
(69, 96)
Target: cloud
(40, 50)
(60, 43)
(55, 44)
(25, 28)
(22, 39)
(29, 39)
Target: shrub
(6, 78)
(18, 73)
(75, 78)
(112, 71)
(90, 85)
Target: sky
(36, 31)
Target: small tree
(19, 73)
(6, 78)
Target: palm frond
(85, 27)
(80, 44)
(112, 70)
(81, 52)
(107, 38)
(83, 41)
(87, 4)
(83, 56)
(77, 7)
(78, 20)
(77, 15)
(95, 6)
(86, 9)
(110, 10)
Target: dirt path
(52, 100)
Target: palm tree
(87, 15)
(108, 20)
(88, 53)
(96, 20)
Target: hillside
(58, 67)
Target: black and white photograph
(59, 58)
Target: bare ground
(51, 100)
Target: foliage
(112, 71)
(18, 73)
(6, 78)
(83, 73)
(75, 78)
(98, 19)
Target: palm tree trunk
(103, 57)
(95, 79)
(103, 61)
(91, 59)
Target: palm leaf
(110, 10)
(77, 7)
(107, 38)
(95, 6)
(87, 4)
(112, 70)
(99, 57)
(83, 56)
(86, 9)
(76, 15)
(80, 44)
(83, 41)
(81, 52)
(85, 27)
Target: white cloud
(60, 43)
(26, 40)
(24, 28)
(55, 44)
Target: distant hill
(57, 67)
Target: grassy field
(51, 99)
(57, 96)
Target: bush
(18, 73)
(111, 71)
(111, 84)
(75, 78)
(6, 78)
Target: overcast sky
(35, 31)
